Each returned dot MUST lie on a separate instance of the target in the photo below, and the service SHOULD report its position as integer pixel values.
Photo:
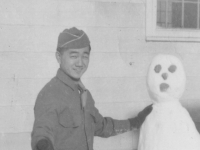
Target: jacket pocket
(69, 119)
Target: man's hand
(137, 121)
(44, 144)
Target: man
(65, 115)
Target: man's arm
(106, 126)
(111, 127)
(44, 144)
(45, 118)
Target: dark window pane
(158, 6)
(161, 13)
(158, 13)
(163, 6)
(179, 13)
(169, 19)
(176, 15)
(158, 18)
(163, 17)
(199, 16)
(190, 15)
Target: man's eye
(73, 56)
(85, 56)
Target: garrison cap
(72, 38)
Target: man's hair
(61, 50)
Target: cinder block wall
(116, 74)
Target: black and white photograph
(100, 75)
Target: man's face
(74, 62)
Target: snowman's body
(169, 125)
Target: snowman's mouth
(164, 87)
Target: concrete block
(103, 39)
(15, 119)
(15, 141)
(20, 91)
(118, 65)
(28, 12)
(121, 110)
(119, 14)
(191, 63)
(192, 88)
(117, 90)
(187, 47)
(27, 65)
(48, 12)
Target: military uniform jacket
(60, 117)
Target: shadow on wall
(194, 110)
(197, 126)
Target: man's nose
(80, 61)
(164, 76)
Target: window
(173, 20)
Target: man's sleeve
(45, 119)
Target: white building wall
(118, 65)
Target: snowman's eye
(157, 68)
(172, 68)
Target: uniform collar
(66, 79)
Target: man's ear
(58, 57)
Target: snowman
(169, 125)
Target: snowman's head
(166, 78)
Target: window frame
(155, 33)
